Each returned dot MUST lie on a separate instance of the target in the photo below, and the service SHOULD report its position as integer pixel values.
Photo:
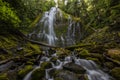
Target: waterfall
(47, 29)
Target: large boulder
(65, 75)
(46, 65)
(74, 68)
(38, 74)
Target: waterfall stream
(46, 32)
(52, 30)
(92, 70)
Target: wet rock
(19, 48)
(46, 65)
(53, 59)
(74, 68)
(38, 74)
(115, 72)
(66, 75)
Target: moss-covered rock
(84, 53)
(24, 71)
(62, 53)
(46, 65)
(115, 73)
(38, 74)
(3, 77)
(65, 75)
(74, 68)
(54, 59)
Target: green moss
(46, 65)
(93, 59)
(62, 52)
(34, 47)
(116, 73)
(38, 74)
(24, 71)
(29, 63)
(84, 53)
(7, 42)
(98, 56)
(3, 77)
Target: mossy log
(17, 32)
(110, 59)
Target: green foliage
(8, 16)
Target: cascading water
(48, 20)
(47, 30)
(92, 71)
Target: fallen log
(32, 41)
(5, 61)
(40, 43)
(110, 59)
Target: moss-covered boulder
(65, 75)
(115, 73)
(24, 71)
(46, 65)
(38, 74)
(53, 59)
(62, 53)
(84, 53)
(74, 68)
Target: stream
(92, 70)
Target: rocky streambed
(59, 64)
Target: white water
(49, 19)
(92, 71)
